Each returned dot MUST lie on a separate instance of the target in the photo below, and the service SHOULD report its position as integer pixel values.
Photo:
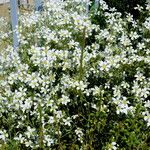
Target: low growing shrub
(73, 84)
(124, 6)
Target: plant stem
(59, 135)
(82, 52)
(41, 129)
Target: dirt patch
(4, 10)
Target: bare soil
(4, 10)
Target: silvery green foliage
(5, 33)
(60, 89)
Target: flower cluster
(73, 84)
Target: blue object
(87, 7)
(96, 4)
(38, 5)
(14, 20)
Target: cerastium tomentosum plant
(74, 84)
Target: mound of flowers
(74, 84)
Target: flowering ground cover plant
(5, 32)
(74, 84)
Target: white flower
(134, 35)
(103, 4)
(26, 105)
(147, 23)
(3, 135)
(146, 115)
(28, 143)
(138, 7)
(113, 146)
(129, 18)
(75, 116)
(80, 85)
(67, 121)
(147, 104)
(51, 119)
(94, 106)
(34, 80)
(64, 100)
(104, 66)
(96, 90)
(48, 140)
(19, 138)
(80, 134)
(144, 92)
(30, 131)
(58, 114)
(141, 46)
(139, 76)
(125, 84)
(125, 40)
(122, 105)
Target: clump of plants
(74, 84)
(124, 6)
